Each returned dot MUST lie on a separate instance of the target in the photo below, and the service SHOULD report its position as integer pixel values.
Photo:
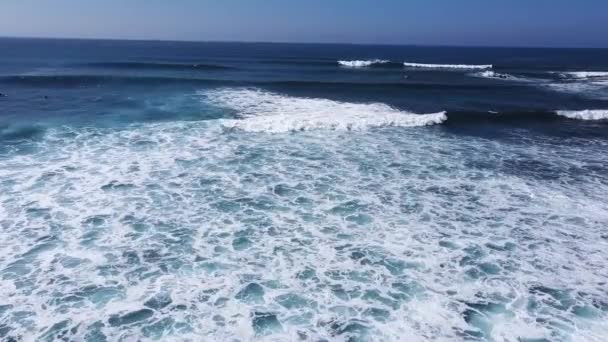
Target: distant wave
(594, 114)
(362, 63)
(589, 75)
(591, 84)
(157, 66)
(263, 111)
(447, 66)
(354, 64)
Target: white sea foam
(447, 66)
(362, 63)
(264, 111)
(595, 114)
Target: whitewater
(168, 230)
(267, 112)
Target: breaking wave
(362, 64)
(263, 111)
(447, 66)
(595, 114)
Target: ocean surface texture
(239, 192)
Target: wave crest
(447, 66)
(263, 111)
(587, 114)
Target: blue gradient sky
(429, 22)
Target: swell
(95, 80)
(389, 85)
(157, 66)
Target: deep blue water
(231, 191)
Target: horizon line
(303, 43)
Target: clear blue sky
(429, 22)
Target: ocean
(300, 192)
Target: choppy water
(166, 206)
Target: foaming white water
(362, 63)
(264, 111)
(593, 114)
(447, 66)
(183, 231)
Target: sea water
(237, 192)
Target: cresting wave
(447, 66)
(362, 63)
(595, 114)
(263, 111)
